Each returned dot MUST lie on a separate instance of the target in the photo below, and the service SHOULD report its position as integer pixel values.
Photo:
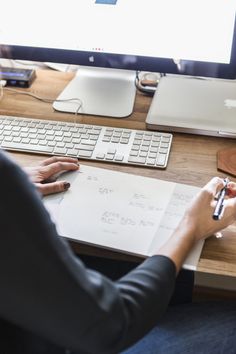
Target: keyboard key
(100, 156)
(119, 158)
(27, 147)
(161, 159)
(85, 154)
(72, 152)
(61, 151)
(137, 159)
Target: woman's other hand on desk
(45, 174)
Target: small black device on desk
(17, 76)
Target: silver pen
(220, 201)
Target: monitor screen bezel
(123, 61)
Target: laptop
(204, 106)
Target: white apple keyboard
(83, 141)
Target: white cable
(47, 100)
(2, 84)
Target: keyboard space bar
(27, 147)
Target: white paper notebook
(121, 211)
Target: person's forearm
(179, 245)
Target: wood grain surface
(193, 158)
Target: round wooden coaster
(226, 161)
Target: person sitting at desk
(51, 303)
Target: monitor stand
(99, 91)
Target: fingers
(57, 164)
(51, 168)
(214, 185)
(54, 159)
(58, 167)
(52, 188)
(231, 190)
(228, 215)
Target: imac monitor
(111, 40)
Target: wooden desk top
(192, 158)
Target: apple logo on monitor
(91, 59)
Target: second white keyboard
(92, 142)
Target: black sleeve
(45, 288)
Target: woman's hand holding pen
(198, 223)
(198, 216)
(44, 175)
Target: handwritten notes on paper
(120, 211)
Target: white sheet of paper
(121, 211)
